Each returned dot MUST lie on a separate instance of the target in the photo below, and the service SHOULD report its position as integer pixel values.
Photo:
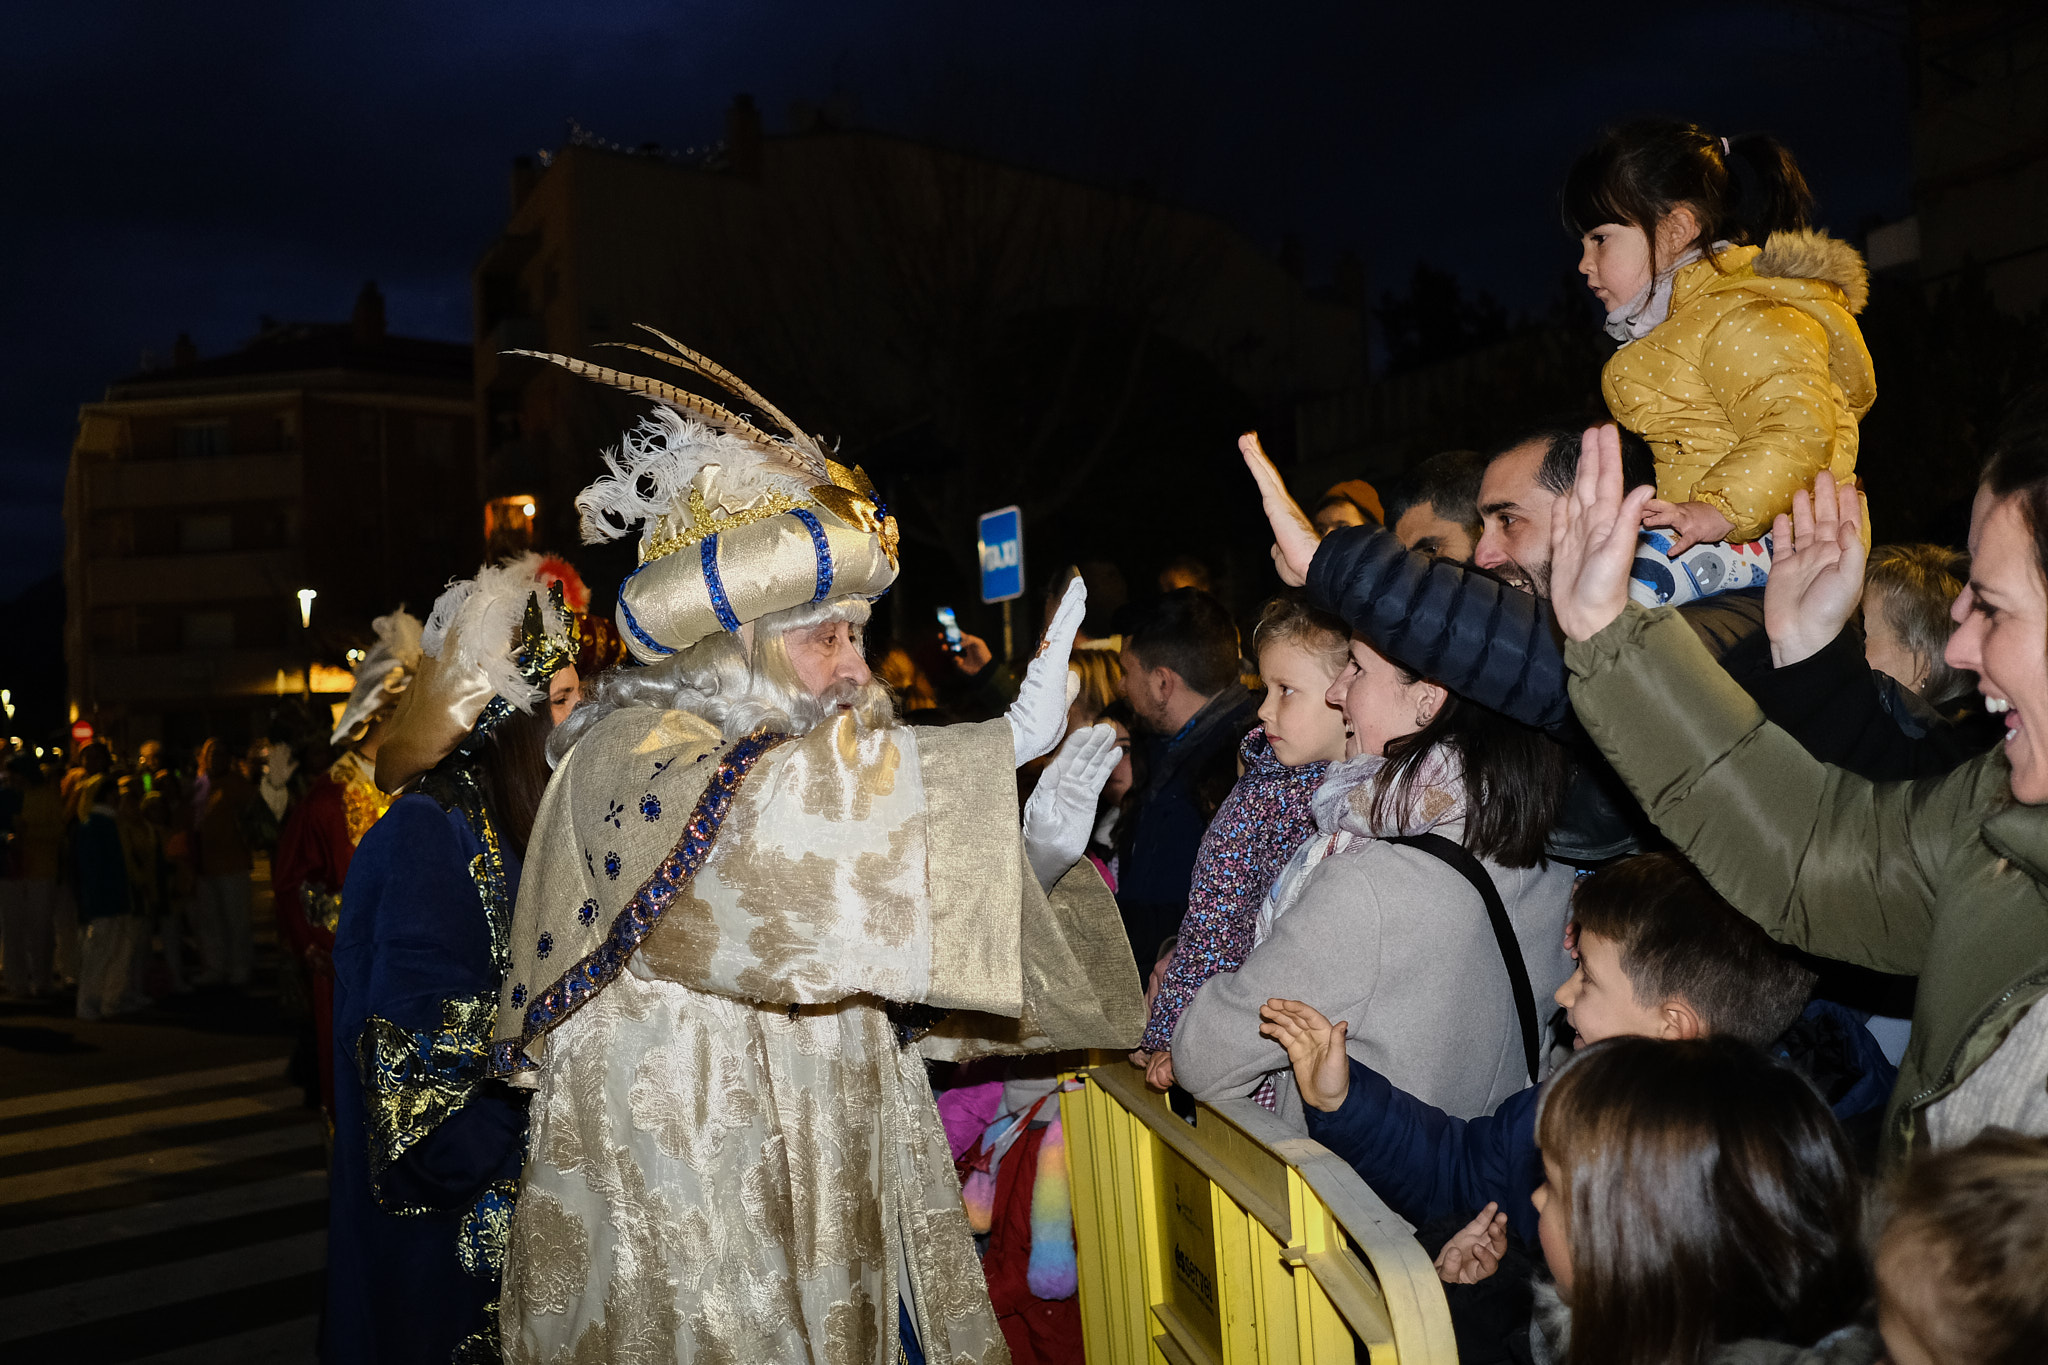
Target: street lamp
(306, 596)
(7, 702)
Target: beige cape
(733, 1156)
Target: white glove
(1039, 715)
(1061, 812)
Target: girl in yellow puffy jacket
(1741, 363)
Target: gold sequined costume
(733, 953)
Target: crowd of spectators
(126, 879)
(1653, 915)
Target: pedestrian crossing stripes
(175, 1219)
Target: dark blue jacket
(427, 1149)
(1171, 815)
(1458, 625)
(1428, 1165)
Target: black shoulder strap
(1461, 861)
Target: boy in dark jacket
(1660, 955)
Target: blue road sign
(1001, 545)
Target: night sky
(191, 168)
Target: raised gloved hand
(1039, 715)
(1061, 812)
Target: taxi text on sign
(1000, 543)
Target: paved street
(162, 1182)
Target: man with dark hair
(1521, 482)
(1434, 507)
(1180, 665)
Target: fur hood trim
(1809, 255)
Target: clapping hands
(1817, 560)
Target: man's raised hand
(1593, 538)
(1322, 1068)
(1294, 535)
(1817, 560)
(1039, 715)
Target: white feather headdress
(768, 520)
(485, 615)
(689, 441)
(650, 474)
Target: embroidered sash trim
(581, 983)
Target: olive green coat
(1945, 878)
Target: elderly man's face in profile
(826, 655)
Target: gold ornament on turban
(735, 522)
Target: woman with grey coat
(1380, 919)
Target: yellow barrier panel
(1235, 1241)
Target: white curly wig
(716, 679)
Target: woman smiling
(1380, 918)
(1945, 878)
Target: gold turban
(736, 523)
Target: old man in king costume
(754, 905)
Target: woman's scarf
(1344, 805)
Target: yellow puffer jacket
(1755, 382)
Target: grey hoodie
(1393, 940)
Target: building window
(198, 439)
(208, 534)
(508, 525)
(209, 630)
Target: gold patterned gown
(734, 1152)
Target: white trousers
(220, 919)
(28, 933)
(106, 969)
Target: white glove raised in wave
(1060, 815)
(1039, 715)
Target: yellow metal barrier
(1235, 1241)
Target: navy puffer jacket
(1498, 646)
(1458, 625)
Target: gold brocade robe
(733, 1157)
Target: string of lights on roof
(579, 136)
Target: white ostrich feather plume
(398, 640)
(484, 615)
(650, 472)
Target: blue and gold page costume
(427, 1149)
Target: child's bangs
(1591, 196)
